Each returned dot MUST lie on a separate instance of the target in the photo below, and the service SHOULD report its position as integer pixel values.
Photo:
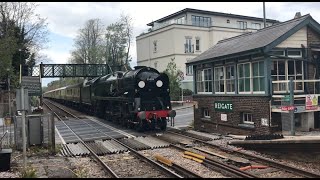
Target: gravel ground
(128, 166)
(176, 157)
(9, 174)
(48, 166)
(86, 167)
(306, 161)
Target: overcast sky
(65, 18)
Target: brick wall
(312, 37)
(257, 105)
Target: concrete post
(53, 140)
(23, 116)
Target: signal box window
(204, 81)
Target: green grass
(29, 172)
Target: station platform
(288, 143)
(286, 139)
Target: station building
(241, 84)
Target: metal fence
(6, 133)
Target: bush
(187, 92)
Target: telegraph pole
(23, 118)
(264, 15)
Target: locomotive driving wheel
(163, 124)
(141, 126)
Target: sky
(66, 18)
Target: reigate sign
(225, 106)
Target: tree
(128, 27)
(174, 75)
(88, 44)
(33, 28)
(8, 46)
(22, 33)
(118, 42)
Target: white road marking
(63, 142)
(183, 115)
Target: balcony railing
(201, 24)
(167, 23)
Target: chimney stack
(298, 14)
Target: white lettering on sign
(223, 106)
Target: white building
(183, 35)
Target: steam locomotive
(136, 98)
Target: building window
(188, 46)
(230, 79)
(247, 118)
(204, 81)
(258, 76)
(244, 77)
(201, 21)
(154, 46)
(156, 65)
(242, 24)
(219, 79)
(180, 20)
(189, 70)
(294, 53)
(206, 113)
(197, 44)
(283, 70)
(256, 26)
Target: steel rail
(105, 166)
(141, 156)
(221, 165)
(270, 162)
(187, 173)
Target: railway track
(244, 155)
(186, 140)
(167, 172)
